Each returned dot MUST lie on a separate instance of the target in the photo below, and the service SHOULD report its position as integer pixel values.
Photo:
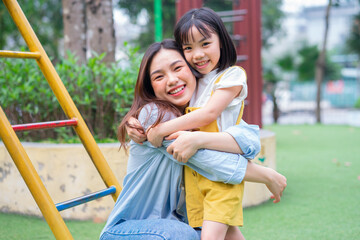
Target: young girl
(218, 101)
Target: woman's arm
(233, 140)
(214, 165)
(201, 117)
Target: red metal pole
(44, 125)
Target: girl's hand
(154, 136)
(135, 131)
(184, 147)
(175, 135)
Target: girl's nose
(198, 54)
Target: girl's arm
(222, 166)
(188, 143)
(201, 117)
(243, 139)
(214, 165)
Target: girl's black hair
(207, 21)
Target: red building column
(247, 35)
(182, 6)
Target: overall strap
(242, 103)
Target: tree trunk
(101, 38)
(101, 33)
(321, 64)
(75, 28)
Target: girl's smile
(202, 64)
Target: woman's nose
(172, 79)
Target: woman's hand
(155, 136)
(135, 131)
(185, 145)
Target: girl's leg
(234, 233)
(213, 230)
(150, 229)
(274, 181)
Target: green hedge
(102, 93)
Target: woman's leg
(151, 229)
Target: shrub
(357, 103)
(102, 93)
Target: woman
(151, 204)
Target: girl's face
(203, 53)
(171, 78)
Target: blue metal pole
(84, 199)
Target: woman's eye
(157, 78)
(178, 68)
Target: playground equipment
(49, 210)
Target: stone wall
(67, 172)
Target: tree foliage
(45, 17)
(271, 17)
(134, 8)
(302, 64)
(353, 42)
(115, 90)
(308, 55)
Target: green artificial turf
(321, 201)
(17, 227)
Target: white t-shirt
(234, 76)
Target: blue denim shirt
(152, 186)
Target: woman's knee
(151, 229)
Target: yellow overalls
(208, 200)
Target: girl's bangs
(187, 34)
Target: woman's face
(171, 78)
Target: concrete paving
(303, 114)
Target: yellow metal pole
(63, 96)
(32, 179)
(13, 54)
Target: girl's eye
(205, 44)
(186, 48)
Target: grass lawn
(321, 201)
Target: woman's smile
(172, 80)
(177, 90)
